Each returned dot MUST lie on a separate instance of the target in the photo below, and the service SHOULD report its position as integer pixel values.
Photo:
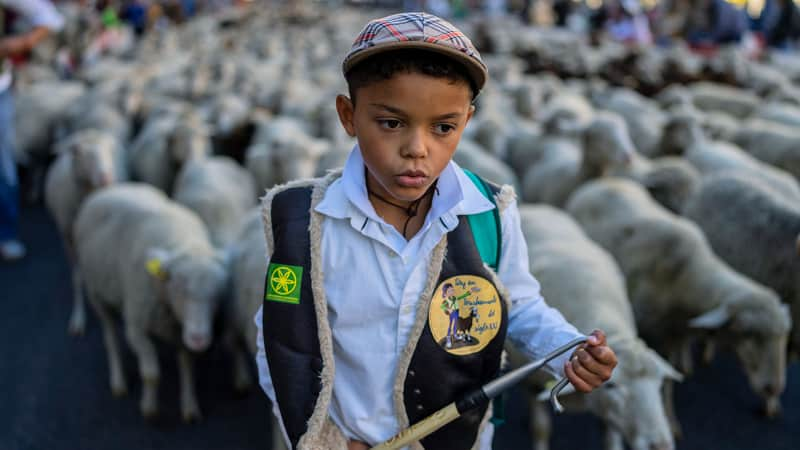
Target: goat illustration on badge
(465, 314)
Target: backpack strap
(486, 225)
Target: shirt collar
(347, 197)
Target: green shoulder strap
(486, 225)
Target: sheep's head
(757, 327)
(94, 164)
(671, 184)
(189, 140)
(631, 402)
(681, 131)
(298, 158)
(607, 142)
(193, 286)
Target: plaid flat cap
(417, 30)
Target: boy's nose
(415, 147)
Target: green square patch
(283, 283)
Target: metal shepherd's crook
(477, 398)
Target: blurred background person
(43, 18)
(715, 22)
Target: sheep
(772, 143)
(472, 156)
(89, 160)
(767, 222)
(220, 191)
(780, 112)
(557, 173)
(562, 120)
(281, 151)
(164, 278)
(38, 111)
(644, 119)
(584, 283)
(521, 147)
(718, 97)
(248, 269)
(164, 145)
(678, 285)
(684, 136)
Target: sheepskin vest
(451, 351)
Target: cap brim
(475, 69)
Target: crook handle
(554, 395)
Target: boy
(354, 344)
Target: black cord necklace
(411, 210)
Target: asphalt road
(54, 392)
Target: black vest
(435, 377)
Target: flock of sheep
(664, 220)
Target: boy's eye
(389, 123)
(443, 128)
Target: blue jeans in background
(9, 200)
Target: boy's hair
(384, 66)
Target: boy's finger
(580, 385)
(586, 375)
(598, 337)
(603, 354)
(597, 368)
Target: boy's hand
(591, 364)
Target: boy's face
(408, 128)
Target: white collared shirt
(374, 279)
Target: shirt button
(406, 309)
(420, 408)
(411, 373)
(417, 391)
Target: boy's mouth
(412, 178)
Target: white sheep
(282, 150)
(719, 97)
(772, 143)
(784, 113)
(88, 160)
(766, 222)
(557, 172)
(220, 191)
(584, 283)
(248, 269)
(164, 145)
(686, 138)
(472, 156)
(163, 277)
(677, 285)
(643, 117)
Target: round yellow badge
(465, 314)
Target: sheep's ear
(664, 368)
(713, 319)
(156, 263)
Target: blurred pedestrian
(787, 27)
(44, 18)
(716, 22)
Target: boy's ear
(346, 110)
(470, 113)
